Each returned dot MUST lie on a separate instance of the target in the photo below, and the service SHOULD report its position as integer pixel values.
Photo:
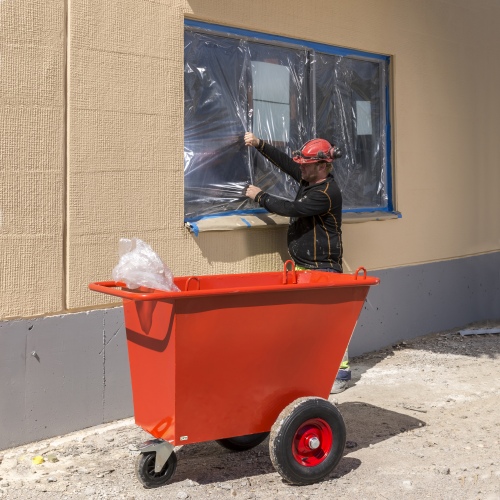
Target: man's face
(313, 172)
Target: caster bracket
(163, 450)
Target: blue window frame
(286, 91)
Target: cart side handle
(110, 288)
(360, 270)
(285, 272)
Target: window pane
(271, 99)
(280, 98)
(216, 163)
(276, 116)
(231, 86)
(350, 112)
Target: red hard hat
(316, 150)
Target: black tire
(300, 421)
(242, 443)
(145, 470)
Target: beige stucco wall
(109, 164)
(32, 159)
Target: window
(286, 92)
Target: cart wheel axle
(312, 442)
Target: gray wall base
(417, 300)
(64, 373)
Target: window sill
(263, 220)
(232, 222)
(354, 217)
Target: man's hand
(252, 191)
(251, 140)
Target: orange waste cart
(232, 357)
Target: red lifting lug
(285, 272)
(192, 278)
(358, 270)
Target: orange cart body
(226, 354)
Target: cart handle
(285, 272)
(358, 270)
(109, 287)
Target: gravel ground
(422, 421)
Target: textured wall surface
(126, 135)
(32, 160)
(91, 117)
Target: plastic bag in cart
(140, 266)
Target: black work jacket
(315, 230)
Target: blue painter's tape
(329, 49)
(227, 214)
(194, 228)
(246, 222)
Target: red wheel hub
(312, 442)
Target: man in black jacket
(315, 230)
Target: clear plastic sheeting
(285, 95)
(350, 112)
(140, 266)
(232, 86)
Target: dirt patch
(422, 422)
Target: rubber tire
(145, 470)
(242, 443)
(283, 432)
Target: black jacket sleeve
(312, 202)
(281, 160)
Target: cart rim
(312, 442)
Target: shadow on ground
(207, 463)
(386, 422)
